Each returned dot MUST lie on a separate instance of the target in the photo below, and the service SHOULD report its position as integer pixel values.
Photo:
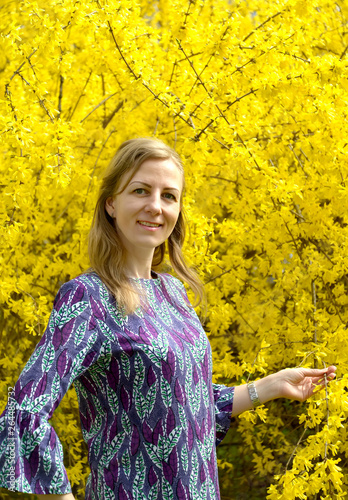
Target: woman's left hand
(301, 383)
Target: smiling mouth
(149, 224)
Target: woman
(135, 350)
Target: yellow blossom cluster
(253, 95)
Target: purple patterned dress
(150, 414)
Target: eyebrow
(149, 186)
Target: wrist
(268, 388)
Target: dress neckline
(155, 278)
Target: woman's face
(147, 209)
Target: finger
(317, 372)
(321, 381)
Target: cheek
(175, 216)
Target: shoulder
(168, 279)
(80, 288)
(175, 288)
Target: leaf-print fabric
(150, 415)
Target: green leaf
(55, 387)
(25, 486)
(113, 399)
(171, 441)
(154, 454)
(48, 358)
(47, 460)
(166, 392)
(32, 359)
(75, 310)
(38, 403)
(140, 404)
(57, 480)
(126, 463)
(140, 470)
(153, 493)
(185, 458)
(125, 364)
(80, 333)
(167, 490)
(106, 330)
(151, 399)
(108, 494)
(183, 417)
(126, 423)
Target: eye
(139, 191)
(169, 196)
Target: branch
(108, 119)
(294, 450)
(200, 80)
(97, 106)
(327, 412)
(120, 52)
(60, 95)
(80, 96)
(343, 53)
(260, 26)
(297, 158)
(197, 136)
(95, 166)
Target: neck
(138, 267)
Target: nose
(154, 204)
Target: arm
(296, 383)
(31, 455)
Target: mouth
(148, 224)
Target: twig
(222, 144)
(120, 52)
(200, 74)
(327, 412)
(260, 26)
(293, 240)
(294, 450)
(200, 80)
(61, 81)
(315, 243)
(187, 12)
(95, 166)
(298, 159)
(343, 53)
(108, 119)
(98, 105)
(30, 64)
(80, 96)
(175, 134)
(197, 136)
(157, 122)
(314, 301)
(218, 276)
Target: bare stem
(294, 450)
(61, 81)
(262, 24)
(97, 106)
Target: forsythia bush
(253, 95)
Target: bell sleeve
(223, 400)
(31, 455)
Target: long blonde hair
(106, 252)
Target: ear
(110, 207)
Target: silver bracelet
(253, 394)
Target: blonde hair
(106, 252)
